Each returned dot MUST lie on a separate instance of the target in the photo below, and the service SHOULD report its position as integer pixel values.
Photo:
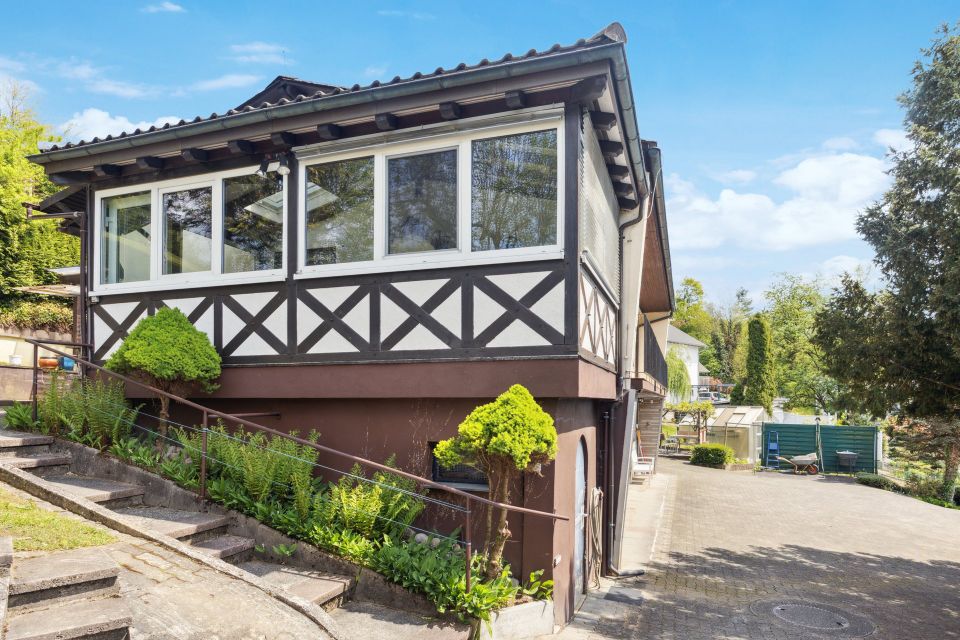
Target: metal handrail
(207, 412)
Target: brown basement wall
(374, 427)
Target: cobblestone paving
(732, 544)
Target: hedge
(711, 455)
(878, 481)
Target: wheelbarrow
(806, 463)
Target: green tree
(728, 340)
(27, 249)
(505, 438)
(898, 349)
(678, 378)
(759, 387)
(166, 351)
(691, 314)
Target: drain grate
(822, 620)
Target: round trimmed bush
(711, 455)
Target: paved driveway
(733, 546)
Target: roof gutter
(612, 51)
(656, 169)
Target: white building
(689, 349)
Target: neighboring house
(688, 348)
(376, 261)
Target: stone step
(59, 577)
(10, 438)
(41, 464)
(104, 619)
(324, 589)
(183, 525)
(109, 493)
(227, 547)
(363, 619)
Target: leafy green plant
(20, 416)
(166, 351)
(536, 588)
(711, 455)
(45, 315)
(505, 438)
(285, 551)
(181, 471)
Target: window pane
(125, 238)
(514, 191)
(422, 202)
(187, 227)
(252, 223)
(339, 212)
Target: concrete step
(10, 438)
(362, 619)
(105, 619)
(40, 464)
(109, 493)
(227, 547)
(183, 525)
(324, 589)
(59, 577)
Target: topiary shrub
(166, 351)
(507, 437)
(711, 455)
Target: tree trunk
(501, 533)
(162, 424)
(951, 461)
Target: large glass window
(187, 230)
(514, 191)
(125, 238)
(339, 212)
(252, 223)
(422, 202)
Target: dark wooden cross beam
(623, 189)
(150, 162)
(611, 148)
(329, 131)
(284, 139)
(195, 155)
(627, 203)
(588, 90)
(515, 99)
(603, 121)
(386, 121)
(449, 110)
(618, 171)
(240, 146)
(67, 178)
(107, 170)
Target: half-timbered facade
(375, 261)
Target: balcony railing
(653, 361)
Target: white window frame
(464, 254)
(160, 282)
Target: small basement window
(461, 476)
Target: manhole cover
(811, 617)
(821, 620)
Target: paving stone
(73, 620)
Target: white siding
(599, 210)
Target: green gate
(800, 439)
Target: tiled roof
(681, 337)
(612, 33)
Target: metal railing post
(469, 544)
(203, 462)
(36, 375)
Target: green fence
(800, 439)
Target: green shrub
(93, 412)
(711, 455)
(878, 481)
(166, 351)
(44, 315)
(20, 416)
(924, 485)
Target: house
(688, 348)
(375, 261)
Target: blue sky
(774, 117)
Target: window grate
(461, 473)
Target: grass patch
(668, 429)
(35, 529)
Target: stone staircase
(207, 532)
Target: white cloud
(413, 15)
(11, 65)
(120, 89)
(164, 7)
(892, 138)
(840, 144)
(374, 71)
(228, 81)
(91, 123)
(259, 53)
(826, 192)
(737, 176)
